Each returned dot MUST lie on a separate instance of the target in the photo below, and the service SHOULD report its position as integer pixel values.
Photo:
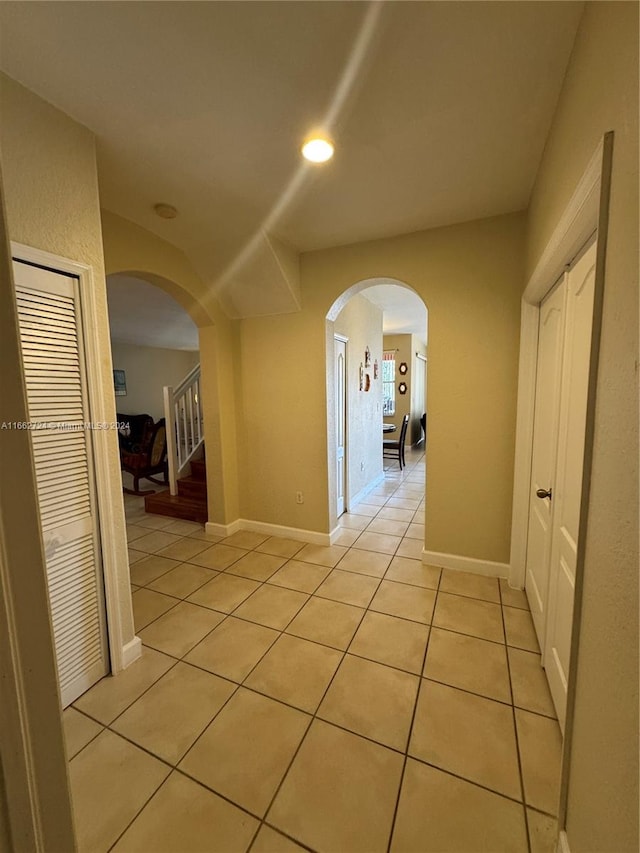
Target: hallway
(343, 698)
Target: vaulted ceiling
(439, 112)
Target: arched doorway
(357, 336)
(157, 383)
(184, 290)
(145, 316)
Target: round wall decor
(402, 387)
(403, 368)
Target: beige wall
(600, 94)
(52, 204)
(401, 344)
(470, 277)
(361, 322)
(51, 196)
(406, 347)
(148, 370)
(418, 402)
(5, 832)
(34, 793)
(129, 248)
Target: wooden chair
(134, 431)
(394, 449)
(150, 459)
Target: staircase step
(192, 487)
(176, 506)
(198, 469)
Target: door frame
(112, 534)
(345, 341)
(586, 213)
(577, 224)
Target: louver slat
(55, 395)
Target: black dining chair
(394, 449)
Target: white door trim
(343, 339)
(114, 546)
(576, 225)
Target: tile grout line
(314, 715)
(515, 727)
(242, 683)
(413, 717)
(177, 660)
(140, 810)
(372, 740)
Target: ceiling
(142, 314)
(403, 311)
(439, 112)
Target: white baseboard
(356, 499)
(563, 843)
(131, 651)
(465, 564)
(216, 529)
(297, 533)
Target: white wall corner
(465, 564)
(131, 651)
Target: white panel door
(53, 357)
(569, 471)
(340, 349)
(545, 439)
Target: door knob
(544, 493)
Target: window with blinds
(389, 382)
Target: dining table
(388, 428)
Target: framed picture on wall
(120, 383)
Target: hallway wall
(52, 204)
(470, 277)
(361, 322)
(50, 191)
(600, 93)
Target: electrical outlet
(362, 466)
(299, 498)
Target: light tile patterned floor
(292, 696)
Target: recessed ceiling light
(317, 150)
(166, 211)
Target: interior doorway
(154, 346)
(340, 354)
(562, 386)
(367, 318)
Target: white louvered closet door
(54, 365)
